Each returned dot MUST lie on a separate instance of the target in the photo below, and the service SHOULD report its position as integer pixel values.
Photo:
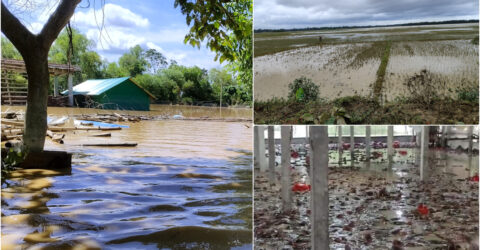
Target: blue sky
(150, 23)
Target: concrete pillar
(352, 145)
(424, 150)
(262, 158)
(271, 155)
(390, 143)
(319, 181)
(55, 86)
(70, 90)
(470, 140)
(256, 147)
(368, 140)
(340, 145)
(444, 137)
(286, 132)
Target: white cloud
(113, 16)
(114, 39)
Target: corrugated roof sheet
(96, 87)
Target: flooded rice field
(346, 61)
(375, 205)
(186, 185)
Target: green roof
(99, 86)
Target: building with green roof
(115, 93)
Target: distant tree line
(168, 81)
(367, 26)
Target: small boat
(98, 124)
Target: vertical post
(55, 86)
(424, 150)
(390, 143)
(271, 155)
(352, 144)
(70, 90)
(444, 137)
(319, 180)
(340, 145)
(262, 159)
(256, 147)
(368, 140)
(286, 132)
(470, 141)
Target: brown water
(155, 110)
(186, 185)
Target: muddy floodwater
(374, 206)
(186, 185)
(346, 61)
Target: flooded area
(186, 185)
(345, 61)
(375, 205)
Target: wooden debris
(125, 144)
(102, 135)
(59, 129)
(14, 123)
(56, 137)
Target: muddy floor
(376, 205)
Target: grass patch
(382, 69)
(364, 110)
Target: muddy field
(186, 184)
(375, 206)
(346, 61)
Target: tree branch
(15, 31)
(57, 21)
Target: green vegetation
(168, 82)
(475, 40)
(377, 87)
(303, 90)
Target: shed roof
(99, 86)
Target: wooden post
(55, 86)
(271, 155)
(262, 159)
(286, 132)
(70, 90)
(352, 145)
(319, 181)
(390, 143)
(340, 145)
(368, 141)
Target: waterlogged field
(346, 61)
(186, 185)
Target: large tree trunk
(34, 50)
(36, 114)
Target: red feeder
(346, 146)
(474, 178)
(422, 209)
(294, 154)
(396, 144)
(300, 187)
(402, 152)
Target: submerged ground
(374, 206)
(412, 67)
(186, 185)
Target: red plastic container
(300, 187)
(346, 146)
(422, 209)
(474, 178)
(294, 154)
(396, 144)
(402, 152)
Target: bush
(303, 89)
(469, 94)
